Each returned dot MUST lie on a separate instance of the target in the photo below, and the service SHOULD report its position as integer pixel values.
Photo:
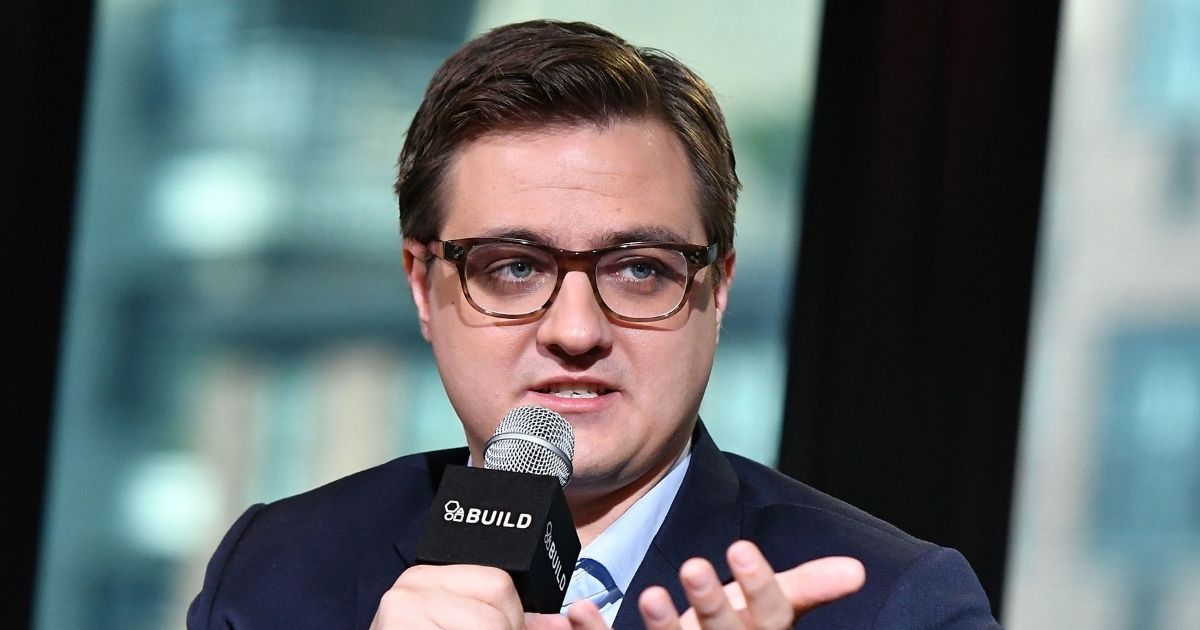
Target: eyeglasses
(635, 282)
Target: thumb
(821, 581)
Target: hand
(454, 596)
(758, 598)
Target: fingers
(820, 581)
(757, 598)
(456, 596)
(710, 607)
(658, 611)
(584, 615)
(551, 621)
(404, 609)
(763, 600)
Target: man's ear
(416, 269)
(721, 288)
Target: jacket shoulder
(309, 554)
(775, 504)
(398, 483)
(910, 582)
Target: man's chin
(592, 493)
(592, 480)
(588, 478)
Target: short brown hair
(545, 73)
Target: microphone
(512, 514)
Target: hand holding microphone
(500, 540)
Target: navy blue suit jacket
(324, 558)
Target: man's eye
(519, 268)
(512, 269)
(640, 270)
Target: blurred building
(1107, 519)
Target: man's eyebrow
(524, 234)
(650, 234)
(653, 234)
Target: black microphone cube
(513, 521)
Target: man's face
(575, 188)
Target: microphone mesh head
(532, 440)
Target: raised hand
(757, 598)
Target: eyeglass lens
(514, 279)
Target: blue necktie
(591, 581)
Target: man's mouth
(573, 390)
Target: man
(567, 204)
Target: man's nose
(575, 325)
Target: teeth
(573, 391)
(576, 394)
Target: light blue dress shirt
(606, 566)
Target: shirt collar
(621, 547)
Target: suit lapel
(702, 522)
(410, 533)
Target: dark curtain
(45, 63)
(920, 220)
